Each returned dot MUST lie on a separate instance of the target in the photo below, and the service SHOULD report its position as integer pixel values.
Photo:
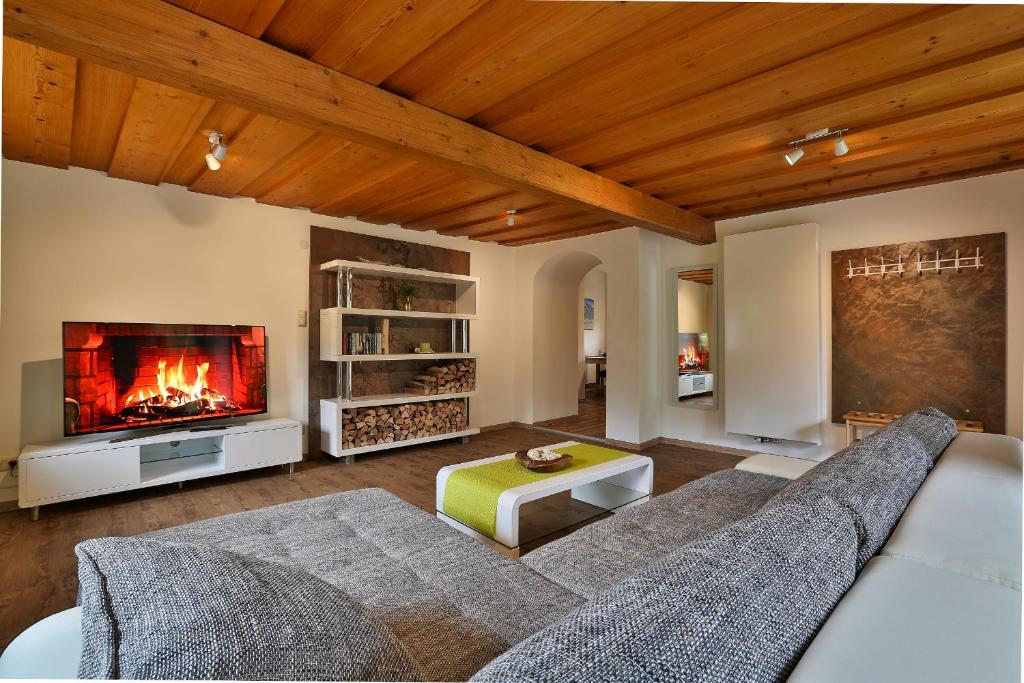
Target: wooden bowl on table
(543, 465)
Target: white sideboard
(690, 385)
(86, 466)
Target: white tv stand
(82, 467)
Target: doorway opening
(570, 346)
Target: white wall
(557, 318)
(988, 204)
(78, 245)
(595, 286)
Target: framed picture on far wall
(588, 314)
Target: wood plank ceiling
(692, 103)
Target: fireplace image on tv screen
(127, 375)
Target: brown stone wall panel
(901, 343)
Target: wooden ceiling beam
(380, 37)
(157, 41)
(38, 104)
(146, 149)
(251, 17)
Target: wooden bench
(855, 419)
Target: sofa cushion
(454, 603)
(153, 610)
(966, 517)
(738, 604)
(594, 558)
(874, 479)
(905, 621)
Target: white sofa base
(942, 601)
(49, 648)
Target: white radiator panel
(772, 334)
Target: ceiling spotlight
(218, 150)
(511, 220)
(840, 146)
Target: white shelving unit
(332, 323)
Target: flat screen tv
(129, 375)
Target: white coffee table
(610, 486)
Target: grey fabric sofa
(886, 562)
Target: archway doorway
(569, 361)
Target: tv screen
(129, 375)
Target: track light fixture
(797, 152)
(218, 150)
(841, 147)
(511, 220)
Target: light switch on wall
(301, 319)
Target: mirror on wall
(696, 335)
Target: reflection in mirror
(696, 328)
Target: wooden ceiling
(703, 276)
(622, 111)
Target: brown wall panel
(934, 339)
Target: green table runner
(471, 493)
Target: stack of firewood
(451, 378)
(387, 424)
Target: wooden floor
(37, 572)
(589, 422)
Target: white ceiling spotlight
(218, 150)
(841, 147)
(511, 220)
(797, 152)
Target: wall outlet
(302, 319)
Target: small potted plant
(402, 293)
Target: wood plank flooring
(589, 422)
(38, 569)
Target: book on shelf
(364, 344)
